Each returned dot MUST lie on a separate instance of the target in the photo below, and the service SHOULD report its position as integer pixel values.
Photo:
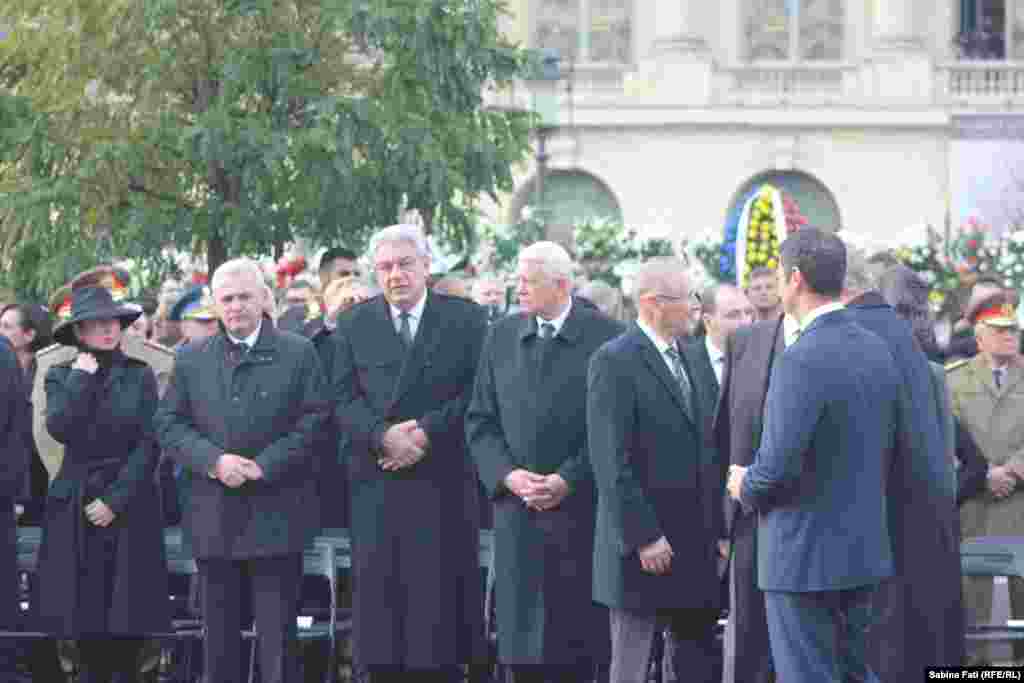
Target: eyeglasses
(403, 265)
(693, 298)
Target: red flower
(972, 244)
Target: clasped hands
(735, 483)
(99, 513)
(1002, 480)
(234, 470)
(405, 444)
(538, 491)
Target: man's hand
(1001, 482)
(549, 493)
(736, 476)
(98, 513)
(86, 362)
(723, 548)
(234, 470)
(656, 558)
(400, 446)
(525, 484)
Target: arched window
(569, 198)
(795, 30)
(814, 200)
(584, 31)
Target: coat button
(235, 399)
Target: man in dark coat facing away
(659, 489)
(919, 620)
(830, 428)
(403, 374)
(240, 414)
(526, 429)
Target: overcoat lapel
(660, 369)
(764, 358)
(428, 336)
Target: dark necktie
(680, 374)
(997, 374)
(547, 331)
(405, 330)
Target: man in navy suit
(819, 479)
(659, 487)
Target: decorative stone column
(901, 68)
(678, 69)
(674, 32)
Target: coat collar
(428, 336)
(656, 362)
(572, 328)
(870, 299)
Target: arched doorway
(815, 200)
(567, 198)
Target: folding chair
(318, 559)
(186, 632)
(993, 556)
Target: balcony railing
(774, 83)
(971, 83)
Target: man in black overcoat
(750, 354)
(919, 619)
(659, 489)
(240, 414)
(15, 423)
(526, 429)
(403, 374)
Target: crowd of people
(791, 454)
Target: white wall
(680, 180)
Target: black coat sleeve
(141, 463)
(972, 475)
(175, 427)
(16, 421)
(485, 436)
(448, 417)
(69, 402)
(296, 446)
(611, 421)
(353, 413)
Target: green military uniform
(995, 418)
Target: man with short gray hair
(240, 415)
(659, 488)
(404, 364)
(526, 429)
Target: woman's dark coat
(105, 421)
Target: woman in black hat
(102, 572)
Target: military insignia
(313, 309)
(950, 367)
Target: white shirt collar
(659, 343)
(416, 312)
(251, 340)
(790, 329)
(556, 322)
(714, 353)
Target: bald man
(659, 488)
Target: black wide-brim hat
(94, 303)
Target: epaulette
(54, 348)
(950, 367)
(157, 346)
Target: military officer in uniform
(196, 314)
(987, 397)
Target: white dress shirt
(555, 322)
(660, 344)
(717, 358)
(251, 340)
(415, 313)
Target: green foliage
(604, 245)
(233, 127)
